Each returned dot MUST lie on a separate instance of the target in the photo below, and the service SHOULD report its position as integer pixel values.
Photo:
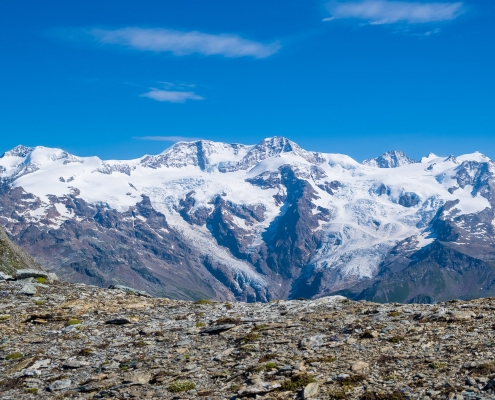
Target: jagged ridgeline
(257, 222)
(12, 257)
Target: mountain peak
(18, 151)
(390, 159)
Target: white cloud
(184, 43)
(390, 12)
(168, 138)
(171, 96)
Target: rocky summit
(83, 342)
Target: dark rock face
(409, 200)
(290, 240)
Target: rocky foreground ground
(61, 340)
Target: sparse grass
(38, 303)
(40, 279)
(235, 388)
(250, 337)
(337, 394)
(345, 301)
(72, 321)
(4, 317)
(14, 356)
(395, 395)
(484, 369)
(352, 380)
(264, 367)
(394, 313)
(204, 302)
(396, 339)
(437, 365)
(181, 386)
(298, 381)
(32, 390)
(229, 306)
(260, 327)
(267, 357)
(248, 347)
(228, 320)
(200, 324)
(322, 360)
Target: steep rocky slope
(83, 342)
(255, 223)
(12, 257)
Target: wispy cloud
(168, 138)
(182, 43)
(171, 96)
(391, 12)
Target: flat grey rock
(130, 290)
(28, 289)
(30, 273)
(59, 385)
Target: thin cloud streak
(171, 96)
(391, 12)
(168, 138)
(184, 43)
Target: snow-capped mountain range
(208, 219)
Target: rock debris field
(61, 340)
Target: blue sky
(119, 78)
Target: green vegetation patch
(181, 386)
(396, 339)
(267, 366)
(4, 317)
(298, 381)
(73, 321)
(228, 320)
(203, 302)
(200, 324)
(437, 365)
(395, 395)
(484, 369)
(32, 390)
(267, 357)
(14, 356)
(321, 360)
(352, 380)
(337, 394)
(40, 279)
(250, 337)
